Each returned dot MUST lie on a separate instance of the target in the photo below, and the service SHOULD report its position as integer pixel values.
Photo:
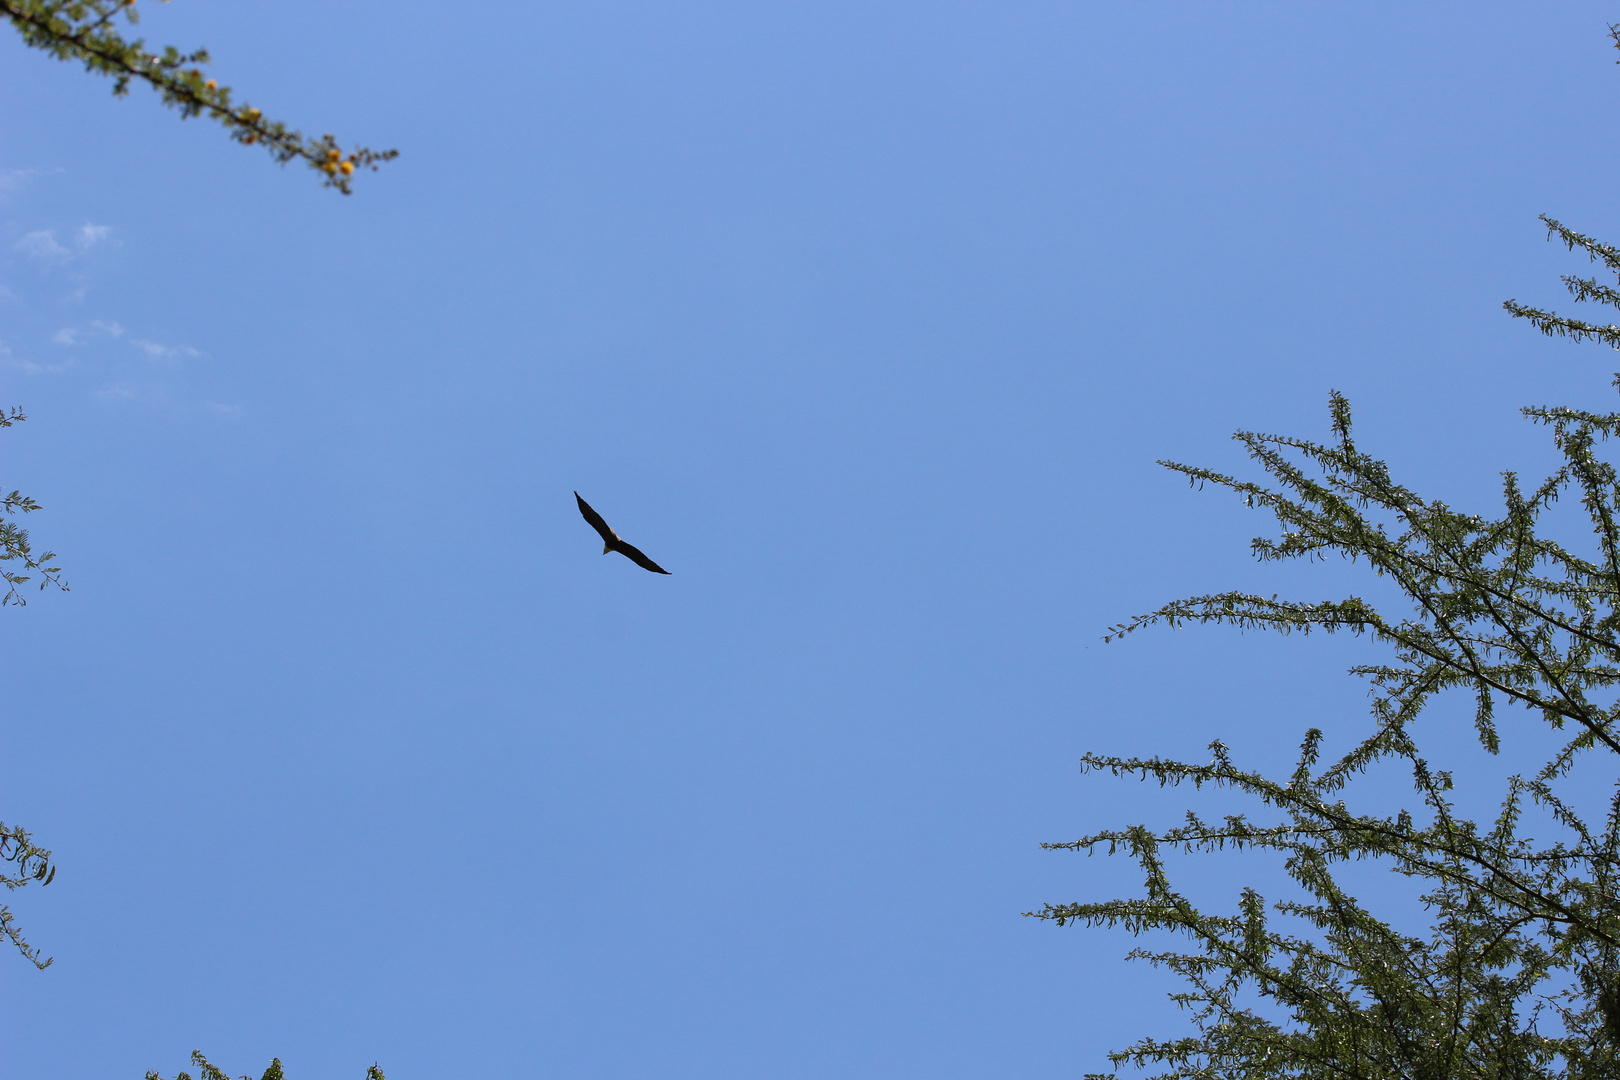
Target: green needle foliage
(1517, 974)
(86, 31)
(214, 1072)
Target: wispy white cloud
(155, 395)
(73, 335)
(88, 236)
(159, 351)
(14, 180)
(31, 367)
(63, 335)
(34, 367)
(42, 245)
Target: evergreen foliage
(1517, 976)
(86, 31)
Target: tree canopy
(1517, 975)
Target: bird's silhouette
(611, 541)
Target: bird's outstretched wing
(596, 522)
(611, 538)
(634, 555)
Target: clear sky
(868, 321)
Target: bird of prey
(611, 541)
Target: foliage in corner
(14, 546)
(86, 31)
(1518, 975)
(33, 864)
(213, 1072)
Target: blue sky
(868, 321)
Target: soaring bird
(611, 541)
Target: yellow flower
(347, 167)
(211, 84)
